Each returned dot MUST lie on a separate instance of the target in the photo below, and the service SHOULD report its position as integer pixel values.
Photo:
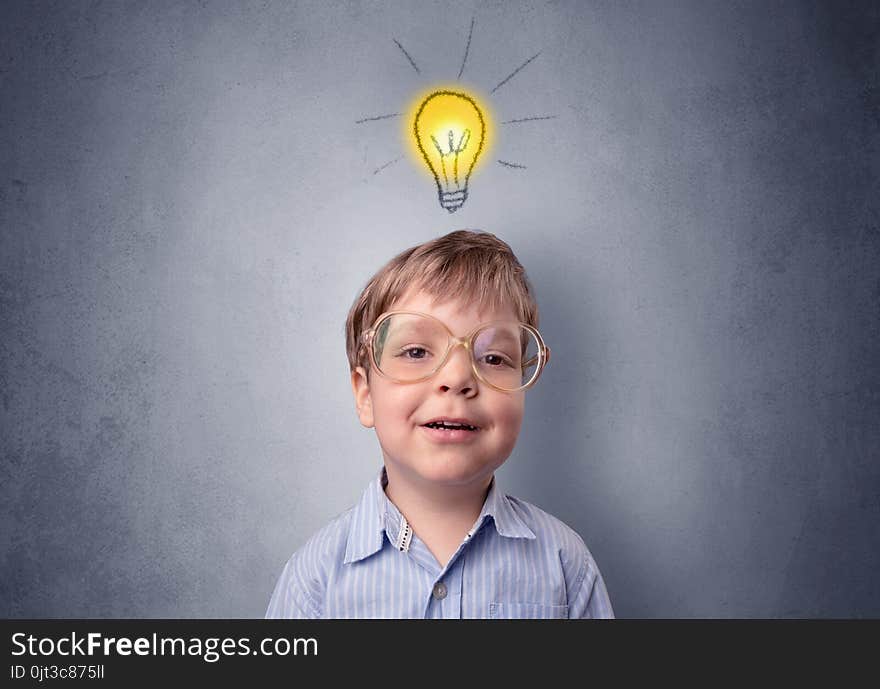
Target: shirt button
(440, 590)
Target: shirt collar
(507, 521)
(375, 517)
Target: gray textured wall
(188, 209)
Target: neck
(440, 515)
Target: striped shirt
(516, 562)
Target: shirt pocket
(527, 611)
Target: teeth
(451, 426)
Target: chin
(449, 472)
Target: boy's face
(425, 457)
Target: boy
(433, 536)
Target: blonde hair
(475, 266)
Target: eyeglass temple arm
(535, 358)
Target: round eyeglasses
(410, 347)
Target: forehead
(459, 314)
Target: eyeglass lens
(409, 347)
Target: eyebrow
(504, 335)
(409, 329)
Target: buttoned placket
(444, 598)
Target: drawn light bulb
(450, 130)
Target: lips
(444, 431)
(451, 424)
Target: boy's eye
(414, 353)
(497, 360)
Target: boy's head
(460, 281)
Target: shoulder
(326, 547)
(555, 538)
(585, 588)
(549, 530)
(300, 589)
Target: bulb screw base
(453, 200)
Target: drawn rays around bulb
(530, 119)
(450, 129)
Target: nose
(457, 374)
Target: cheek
(510, 415)
(394, 407)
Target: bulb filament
(453, 151)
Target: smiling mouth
(448, 426)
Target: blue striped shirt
(516, 562)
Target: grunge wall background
(188, 209)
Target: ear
(362, 400)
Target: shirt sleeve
(589, 598)
(291, 599)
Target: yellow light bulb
(450, 130)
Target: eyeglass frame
(467, 341)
